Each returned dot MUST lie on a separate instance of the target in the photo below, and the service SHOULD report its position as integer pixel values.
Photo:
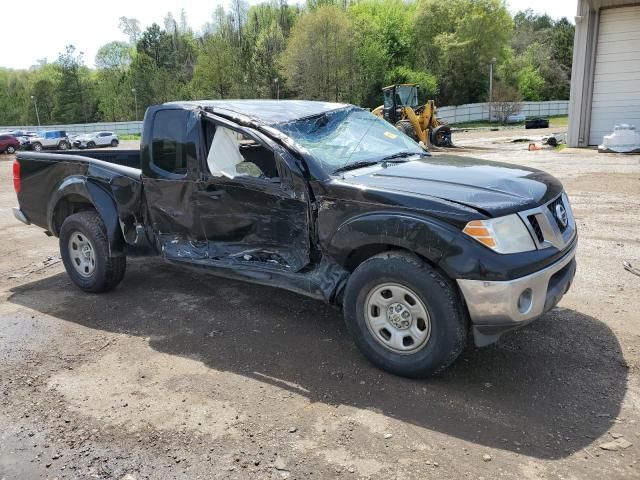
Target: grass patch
(130, 136)
(558, 121)
(555, 121)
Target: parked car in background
(57, 139)
(9, 143)
(96, 139)
(22, 136)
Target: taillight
(16, 176)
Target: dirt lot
(175, 375)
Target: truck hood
(492, 188)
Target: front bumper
(497, 307)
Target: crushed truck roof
(270, 112)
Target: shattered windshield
(348, 136)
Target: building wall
(584, 50)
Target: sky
(88, 24)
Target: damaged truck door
(421, 253)
(230, 205)
(249, 206)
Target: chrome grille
(546, 226)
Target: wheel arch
(367, 235)
(76, 194)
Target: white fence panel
(471, 112)
(474, 112)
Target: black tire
(405, 127)
(441, 136)
(63, 145)
(448, 317)
(91, 145)
(36, 147)
(114, 143)
(10, 149)
(109, 270)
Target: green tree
(456, 41)
(113, 86)
(530, 83)
(383, 39)
(74, 99)
(543, 46)
(131, 28)
(319, 62)
(216, 71)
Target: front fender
(422, 235)
(101, 200)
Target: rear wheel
(84, 248)
(405, 317)
(441, 136)
(11, 149)
(37, 147)
(114, 143)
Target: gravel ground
(178, 375)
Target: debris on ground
(486, 457)
(619, 443)
(555, 139)
(630, 268)
(624, 139)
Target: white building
(605, 79)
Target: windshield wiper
(394, 158)
(356, 165)
(404, 154)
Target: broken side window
(234, 154)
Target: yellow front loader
(419, 122)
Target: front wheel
(405, 316)
(84, 248)
(406, 127)
(37, 147)
(91, 145)
(63, 145)
(11, 149)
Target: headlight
(504, 234)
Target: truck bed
(124, 162)
(47, 177)
(126, 158)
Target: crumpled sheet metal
(324, 281)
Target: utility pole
(135, 99)
(493, 60)
(35, 102)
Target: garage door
(616, 87)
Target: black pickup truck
(421, 252)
